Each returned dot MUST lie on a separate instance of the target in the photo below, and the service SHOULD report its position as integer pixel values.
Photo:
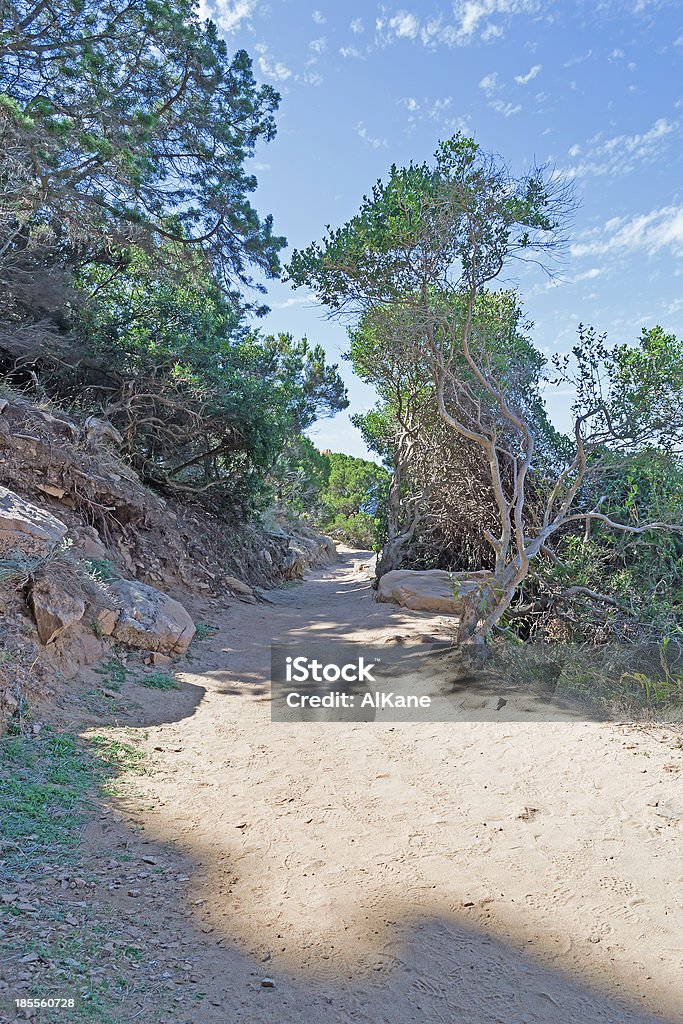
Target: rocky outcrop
(27, 529)
(57, 603)
(431, 590)
(150, 620)
(305, 551)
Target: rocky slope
(90, 557)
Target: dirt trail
(473, 872)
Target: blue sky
(593, 88)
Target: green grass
(113, 672)
(47, 785)
(205, 630)
(50, 786)
(44, 786)
(159, 681)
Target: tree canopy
(417, 269)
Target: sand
(490, 871)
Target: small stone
(496, 703)
(267, 983)
(51, 490)
(134, 893)
(156, 658)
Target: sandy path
(472, 872)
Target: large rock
(149, 619)
(26, 528)
(431, 590)
(57, 603)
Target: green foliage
(51, 786)
(130, 250)
(643, 680)
(115, 142)
(43, 784)
(100, 569)
(114, 673)
(352, 504)
(634, 391)
(204, 631)
(644, 572)
(203, 404)
(159, 681)
(299, 475)
(416, 227)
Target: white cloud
(471, 13)
(679, 41)
(404, 24)
(357, 26)
(276, 70)
(588, 275)
(506, 109)
(578, 60)
(530, 75)
(616, 54)
(350, 51)
(318, 45)
(471, 20)
(318, 17)
(437, 110)
(489, 83)
(296, 300)
(491, 32)
(229, 14)
(620, 154)
(649, 233)
(363, 134)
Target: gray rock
(149, 619)
(496, 703)
(26, 528)
(431, 590)
(57, 603)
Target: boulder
(26, 528)
(430, 590)
(149, 619)
(57, 603)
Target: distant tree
(352, 502)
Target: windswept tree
(424, 249)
